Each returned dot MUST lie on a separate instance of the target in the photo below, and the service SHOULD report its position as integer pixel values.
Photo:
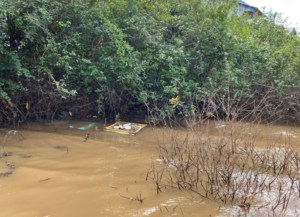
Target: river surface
(50, 170)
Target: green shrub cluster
(170, 56)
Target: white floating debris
(220, 126)
(286, 133)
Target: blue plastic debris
(85, 127)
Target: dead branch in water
(138, 197)
(43, 180)
(222, 171)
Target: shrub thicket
(172, 57)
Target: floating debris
(126, 128)
(85, 127)
(285, 134)
(220, 126)
(5, 154)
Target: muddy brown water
(56, 174)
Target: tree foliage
(109, 56)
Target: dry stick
(43, 180)
(174, 208)
(139, 198)
(181, 211)
(209, 163)
(129, 198)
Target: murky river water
(55, 173)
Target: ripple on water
(149, 211)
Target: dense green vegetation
(103, 57)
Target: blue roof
(243, 2)
(248, 7)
